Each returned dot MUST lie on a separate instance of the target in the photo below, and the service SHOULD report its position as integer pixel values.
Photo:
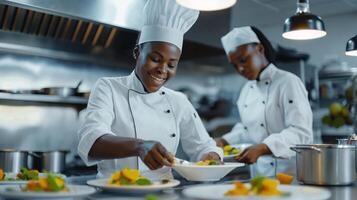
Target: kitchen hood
(95, 31)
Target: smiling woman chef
(134, 121)
(273, 104)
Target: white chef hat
(166, 21)
(238, 37)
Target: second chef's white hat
(238, 37)
(166, 21)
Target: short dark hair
(269, 50)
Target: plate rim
(19, 182)
(27, 195)
(226, 165)
(184, 191)
(130, 188)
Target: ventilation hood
(101, 31)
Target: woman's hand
(220, 142)
(155, 155)
(251, 154)
(211, 156)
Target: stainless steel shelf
(44, 100)
(337, 74)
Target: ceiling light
(207, 5)
(303, 25)
(351, 47)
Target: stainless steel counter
(337, 192)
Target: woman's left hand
(211, 156)
(251, 154)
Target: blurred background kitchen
(65, 46)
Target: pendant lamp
(351, 47)
(207, 5)
(303, 25)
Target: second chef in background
(134, 121)
(273, 105)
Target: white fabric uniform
(119, 104)
(274, 110)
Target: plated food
(17, 192)
(208, 163)
(131, 181)
(128, 176)
(230, 150)
(24, 175)
(260, 186)
(218, 192)
(50, 183)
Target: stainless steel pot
(50, 161)
(350, 141)
(325, 164)
(13, 160)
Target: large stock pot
(325, 164)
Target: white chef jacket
(120, 106)
(275, 111)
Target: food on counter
(128, 176)
(208, 162)
(26, 174)
(2, 175)
(23, 175)
(284, 178)
(338, 116)
(229, 150)
(151, 197)
(260, 185)
(50, 183)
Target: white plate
(17, 182)
(156, 186)
(193, 172)
(14, 192)
(240, 147)
(297, 192)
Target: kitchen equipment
(352, 140)
(325, 164)
(61, 91)
(50, 161)
(12, 160)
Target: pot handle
(296, 148)
(34, 154)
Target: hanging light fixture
(207, 5)
(351, 47)
(303, 25)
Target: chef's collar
(268, 72)
(135, 83)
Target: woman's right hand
(155, 155)
(220, 142)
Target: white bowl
(194, 172)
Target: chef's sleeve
(194, 138)
(238, 134)
(97, 120)
(297, 118)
